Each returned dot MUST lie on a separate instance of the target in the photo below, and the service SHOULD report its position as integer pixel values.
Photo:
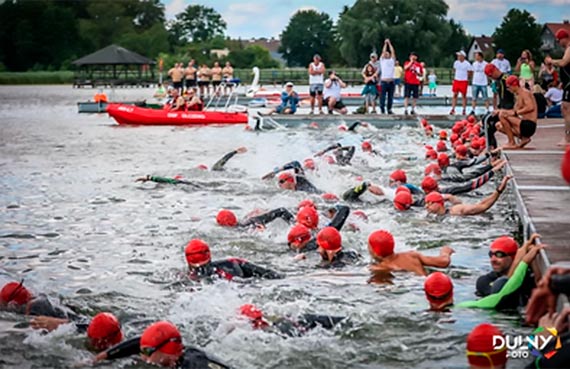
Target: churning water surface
(77, 227)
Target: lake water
(77, 227)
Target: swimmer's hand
(102, 356)
(376, 190)
(46, 322)
(533, 251)
(503, 184)
(241, 150)
(143, 179)
(300, 256)
(270, 174)
(446, 250)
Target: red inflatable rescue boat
(134, 115)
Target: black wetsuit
(506, 101)
(268, 217)
(306, 322)
(340, 260)
(233, 267)
(342, 212)
(466, 163)
(561, 359)
(453, 174)
(459, 188)
(354, 193)
(493, 282)
(302, 183)
(193, 358)
(343, 154)
(220, 163)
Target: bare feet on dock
(510, 147)
(525, 141)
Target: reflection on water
(78, 228)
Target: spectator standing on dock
(432, 80)
(204, 80)
(525, 67)
(387, 67)
(216, 73)
(190, 75)
(332, 95)
(176, 74)
(369, 91)
(412, 72)
(316, 77)
(398, 77)
(462, 68)
(228, 76)
(564, 64)
(504, 67)
(479, 82)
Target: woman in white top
(316, 73)
(387, 65)
(480, 82)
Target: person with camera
(332, 95)
(525, 67)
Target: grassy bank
(267, 76)
(36, 78)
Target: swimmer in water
(438, 288)
(292, 181)
(381, 247)
(342, 154)
(227, 218)
(329, 242)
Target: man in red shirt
(412, 71)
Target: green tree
(517, 32)
(412, 25)
(307, 33)
(148, 43)
(252, 56)
(197, 23)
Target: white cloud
(174, 7)
(468, 11)
(243, 13)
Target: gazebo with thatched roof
(114, 66)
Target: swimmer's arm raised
(441, 261)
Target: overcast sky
(267, 18)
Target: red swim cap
(366, 146)
(329, 197)
(329, 239)
(226, 218)
(482, 142)
(381, 244)
(342, 127)
(457, 142)
(360, 214)
(428, 147)
(286, 177)
(202, 167)
(254, 314)
(435, 197)
(329, 159)
(428, 128)
(489, 69)
(512, 81)
(16, 293)
(561, 34)
(398, 175)
(314, 125)
(432, 168)
(475, 145)
(456, 128)
(461, 150)
(443, 160)
(309, 164)
(403, 189)
(441, 146)
(431, 154)
(480, 341)
(505, 244)
(443, 134)
(565, 166)
(438, 287)
(471, 119)
(424, 122)
(308, 217)
(403, 201)
(453, 137)
(298, 234)
(197, 253)
(160, 332)
(429, 184)
(306, 202)
(104, 331)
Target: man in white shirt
(331, 94)
(387, 64)
(480, 82)
(504, 66)
(462, 68)
(554, 93)
(316, 76)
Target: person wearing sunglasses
(15, 297)
(161, 344)
(201, 266)
(435, 203)
(481, 352)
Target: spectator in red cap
(381, 247)
(161, 344)
(564, 65)
(521, 121)
(439, 291)
(201, 266)
(227, 218)
(435, 203)
(329, 241)
(481, 352)
(218, 166)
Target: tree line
(49, 35)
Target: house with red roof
(549, 43)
